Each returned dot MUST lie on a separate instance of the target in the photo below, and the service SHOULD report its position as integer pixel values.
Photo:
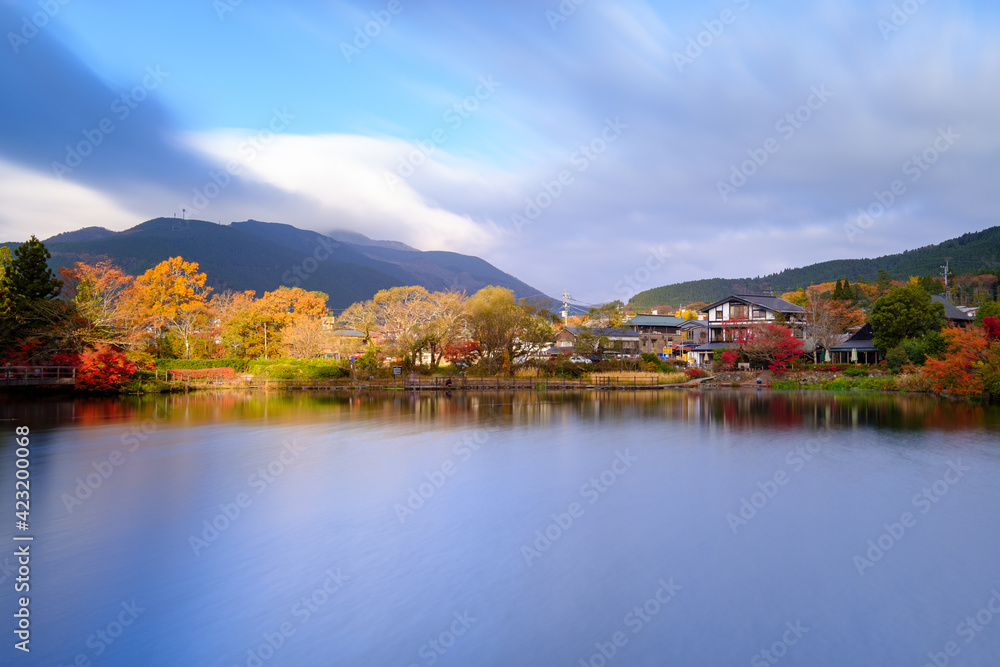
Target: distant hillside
(970, 253)
(85, 234)
(262, 256)
(360, 239)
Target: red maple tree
(770, 345)
(105, 369)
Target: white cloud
(352, 181)
(43, 205)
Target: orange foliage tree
(973, 355)
(172, 295)
(830, 319)
(104, 298)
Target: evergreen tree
(905, 312)
(848, 291)
(30, 314)
(883, 282)
(27, 278)
(838, 291)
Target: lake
(713, 527)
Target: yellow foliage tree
(172, 295)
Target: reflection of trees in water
(738, 409)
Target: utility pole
(945, 274)
(265, 340)
(565, 310)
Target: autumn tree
(770, 345)
(399, 317)
(104, 369)
(106, 303)
(695, 306)
(828, 320)
(230, 314)
(304, 337)
(587, 342)
(172, 295)
(410, 321)
(959, 372)
(799, 297)
(500, 325)
(252, 328)
(444, 323)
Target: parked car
(577, 359)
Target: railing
(29, 375)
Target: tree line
(170, 311)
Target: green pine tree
(28, 276)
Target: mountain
(360, 239)
(85, 234)
(975, 252)
(262, 256)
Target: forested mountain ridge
(263, 256)
(975, 252)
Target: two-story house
(693, 333)
(614, 341)
(730, 318)
(657, 333)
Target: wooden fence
(37, 375)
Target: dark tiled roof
(860, 345)
(860, 340)
(708, 347)
(951, 311)
(655, 321)
(604, 331)
(774, 303)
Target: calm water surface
(508, 529)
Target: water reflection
(735, 409)
(441, 507)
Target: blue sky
(599, 147)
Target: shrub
(896, 358)
(825, 368)
(238, 365)
(856, 371)
(929, 345)
(913, 381)
(859, 383)
(784, 384)
(695, 373)
(106, 370)
(225, 373)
